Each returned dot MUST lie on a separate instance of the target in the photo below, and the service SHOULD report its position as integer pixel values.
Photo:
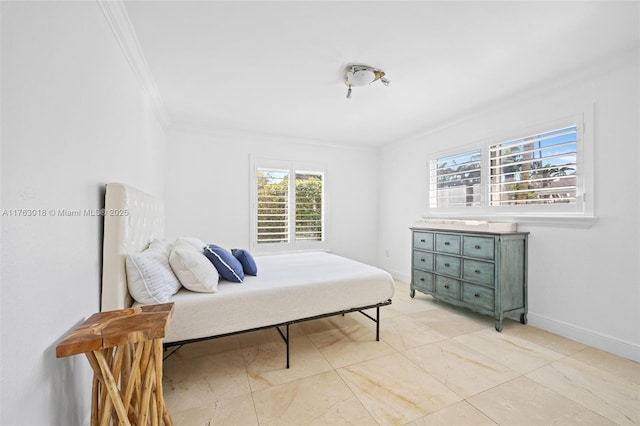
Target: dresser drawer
(478, 272)
(481, 247)
(477, 295)
(446, 243)
(423, 240)
(423, 260)
(423, 280)
(448, 265)
(447, 287)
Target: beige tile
(461, 413)
(408, 306)
(330, 323)
(511, 351)
(349, 345)
(268, 335)
(395, 390)
(266, 364)
(403, 303)
(200, 416)
(459, 367)
(385, 314)
(234, 411)
(320, 399)
(544, 338)
(623, 368)
(404, 332)
(348, 413)
(524, 402)
(604, 393)
(206, 347)
(451, 322)
(196, 382)
(401, 285)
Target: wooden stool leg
(112, 389)
(99, 397)
(95, 400)
(162, 408)
(149, 376)
(133, 383)
(153, 411)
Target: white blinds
(273, 206)
(278, 202)
(309, 211)
(455, 180)
(537, 169)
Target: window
(309, 206)
(545, 173)
(273, 206)
(455, 180)
(289, 213)
(534, 170)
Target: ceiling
(275, 68)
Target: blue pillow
(228, 266)
(248, 263)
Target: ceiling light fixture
(362, 75)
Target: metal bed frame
(285, 335)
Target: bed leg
(285, 337)
(377, 323)
(287, 345)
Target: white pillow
(193, 269)
(194, 242)
(149, 276)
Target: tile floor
(434, 365)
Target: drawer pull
(476, 295)
(477, 246)
(422, 260)
(422, 241)
(446, 286)
(446, 264)
(422, 279)
(446, 243)
(477, 271)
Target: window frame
(292, 168)
(582, 213)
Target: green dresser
(484, 272)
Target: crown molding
(211, 128)
(117, 17)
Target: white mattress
(288, 287)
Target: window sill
(258, 251)
(565, 221)
(561, 221)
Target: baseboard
(606, 343)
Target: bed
(288, 289)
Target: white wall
(583, 283)
(73, 118)
(208, 187)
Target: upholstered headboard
(132, 219)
